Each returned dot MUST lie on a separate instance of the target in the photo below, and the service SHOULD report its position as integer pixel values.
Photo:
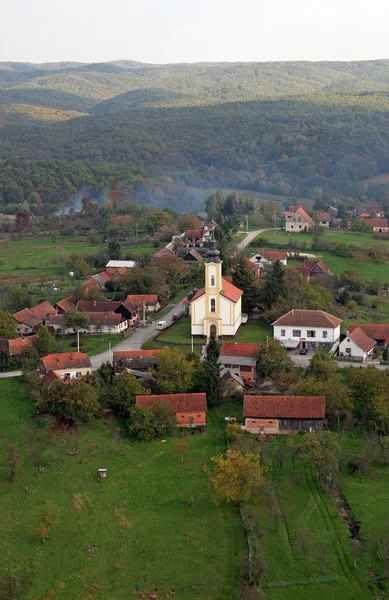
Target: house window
(296, 332)
(213, 305)
(78, 374)
(348, 339)
(199, 416)
(291, 226)
(212, 280)
(348, 350)
(26, 330)
(325, 334)
(299, 226)
(311, 333)
(283, 332)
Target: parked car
(161, 325)
(303, 351)
(174, 318)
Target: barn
(277, 414)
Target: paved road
(250, 236)
(136, 340)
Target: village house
(128, 310)
(264, 258)
(196, 238)
(307, 329)
(137, 361)
(323, 219)
(217, 308)
(313, 267)
(379, 225)
(18, 345)
(190, 409)
(44, 310)
(377, 332)
(357, 345)
(299, 221)
(233, 380)
(239, 358)
(279, 414)
(120, 264)
(66, 305)
(149, 301)
(27, 321)
(307, 207)
(65, 366)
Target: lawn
(332, 235)
(90, 344)
(151, 524)
(254, 331)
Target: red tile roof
(372, 330)
(304, 214)
(104, 276)
(101, 306)
(140, 298)
(239, 349)
(309, 318)
(378, 222)
(307, 207)
(18, 345)
(135, 353)
(363, 341)
(66, 360)
(66, 305)
(27, 317)
(227, 278)
(91, 283)
(43, 309)
(163, 251)
(304, 271)
(51, 376)
(285, 407)
(229, 290)
(323, 216)
(272, 254)
(194, 233)
(180, 402)
(311, 263)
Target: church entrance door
(213, 331)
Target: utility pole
(247, 223)
(78, 340)
(110, 352)
(192, 343)
(144, 315)
(136, 229)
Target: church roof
(228, 290)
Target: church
(217, 308)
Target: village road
(250, 236)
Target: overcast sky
(162, 31)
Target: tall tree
(275, 286)
(174, 372)
(244, 279)
(273, 358)
(236, 475)
(45, 343)
(7, 325)
(210, 373)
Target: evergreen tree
(244, 279)
(210, 373)
(45, 343)
(114, 249)
(275, 285)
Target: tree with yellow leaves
(236, 475)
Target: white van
(161, 325)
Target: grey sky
(161, 31)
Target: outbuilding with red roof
(276, 414)
(357, 344)
(240, 358)
(190, 409)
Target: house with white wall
(357, 344)
(264, 258)
(299, 221)
(307, 329)
(65, 366)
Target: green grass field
(90, 344)
(332, 235)
(151, 524)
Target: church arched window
(212, 280)
(213, 305)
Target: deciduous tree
(273, 358)
(7, 325)
(174, 372)
(236, 475)
(45, 343)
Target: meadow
(91, 344)
(151, 524)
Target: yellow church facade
(217, 308)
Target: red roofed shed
(274, 414)
(191, 409)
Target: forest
(158, 131)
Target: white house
(264, 258)
(357, 345)
(217, 308)
(309, 328)
(66, 366)
(323, 219)
(149, 301)
(298, 221)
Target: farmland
(151, 524)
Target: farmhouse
(323, 219)
(377, 332)
(44, 310)
(149, 301)
(379, 225)
(66, 366)
(357, 344)
(299, 221)
(66, 305)
(140, 361)
(264, 258)
(277, 414)
(27, 321)
(196, 237)
(191, 409)
(309, 328)
(128, 310)
(18, 345)
(240, 359)
(217, 308)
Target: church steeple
(213, 255)
(213, 271)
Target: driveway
(250, 236)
